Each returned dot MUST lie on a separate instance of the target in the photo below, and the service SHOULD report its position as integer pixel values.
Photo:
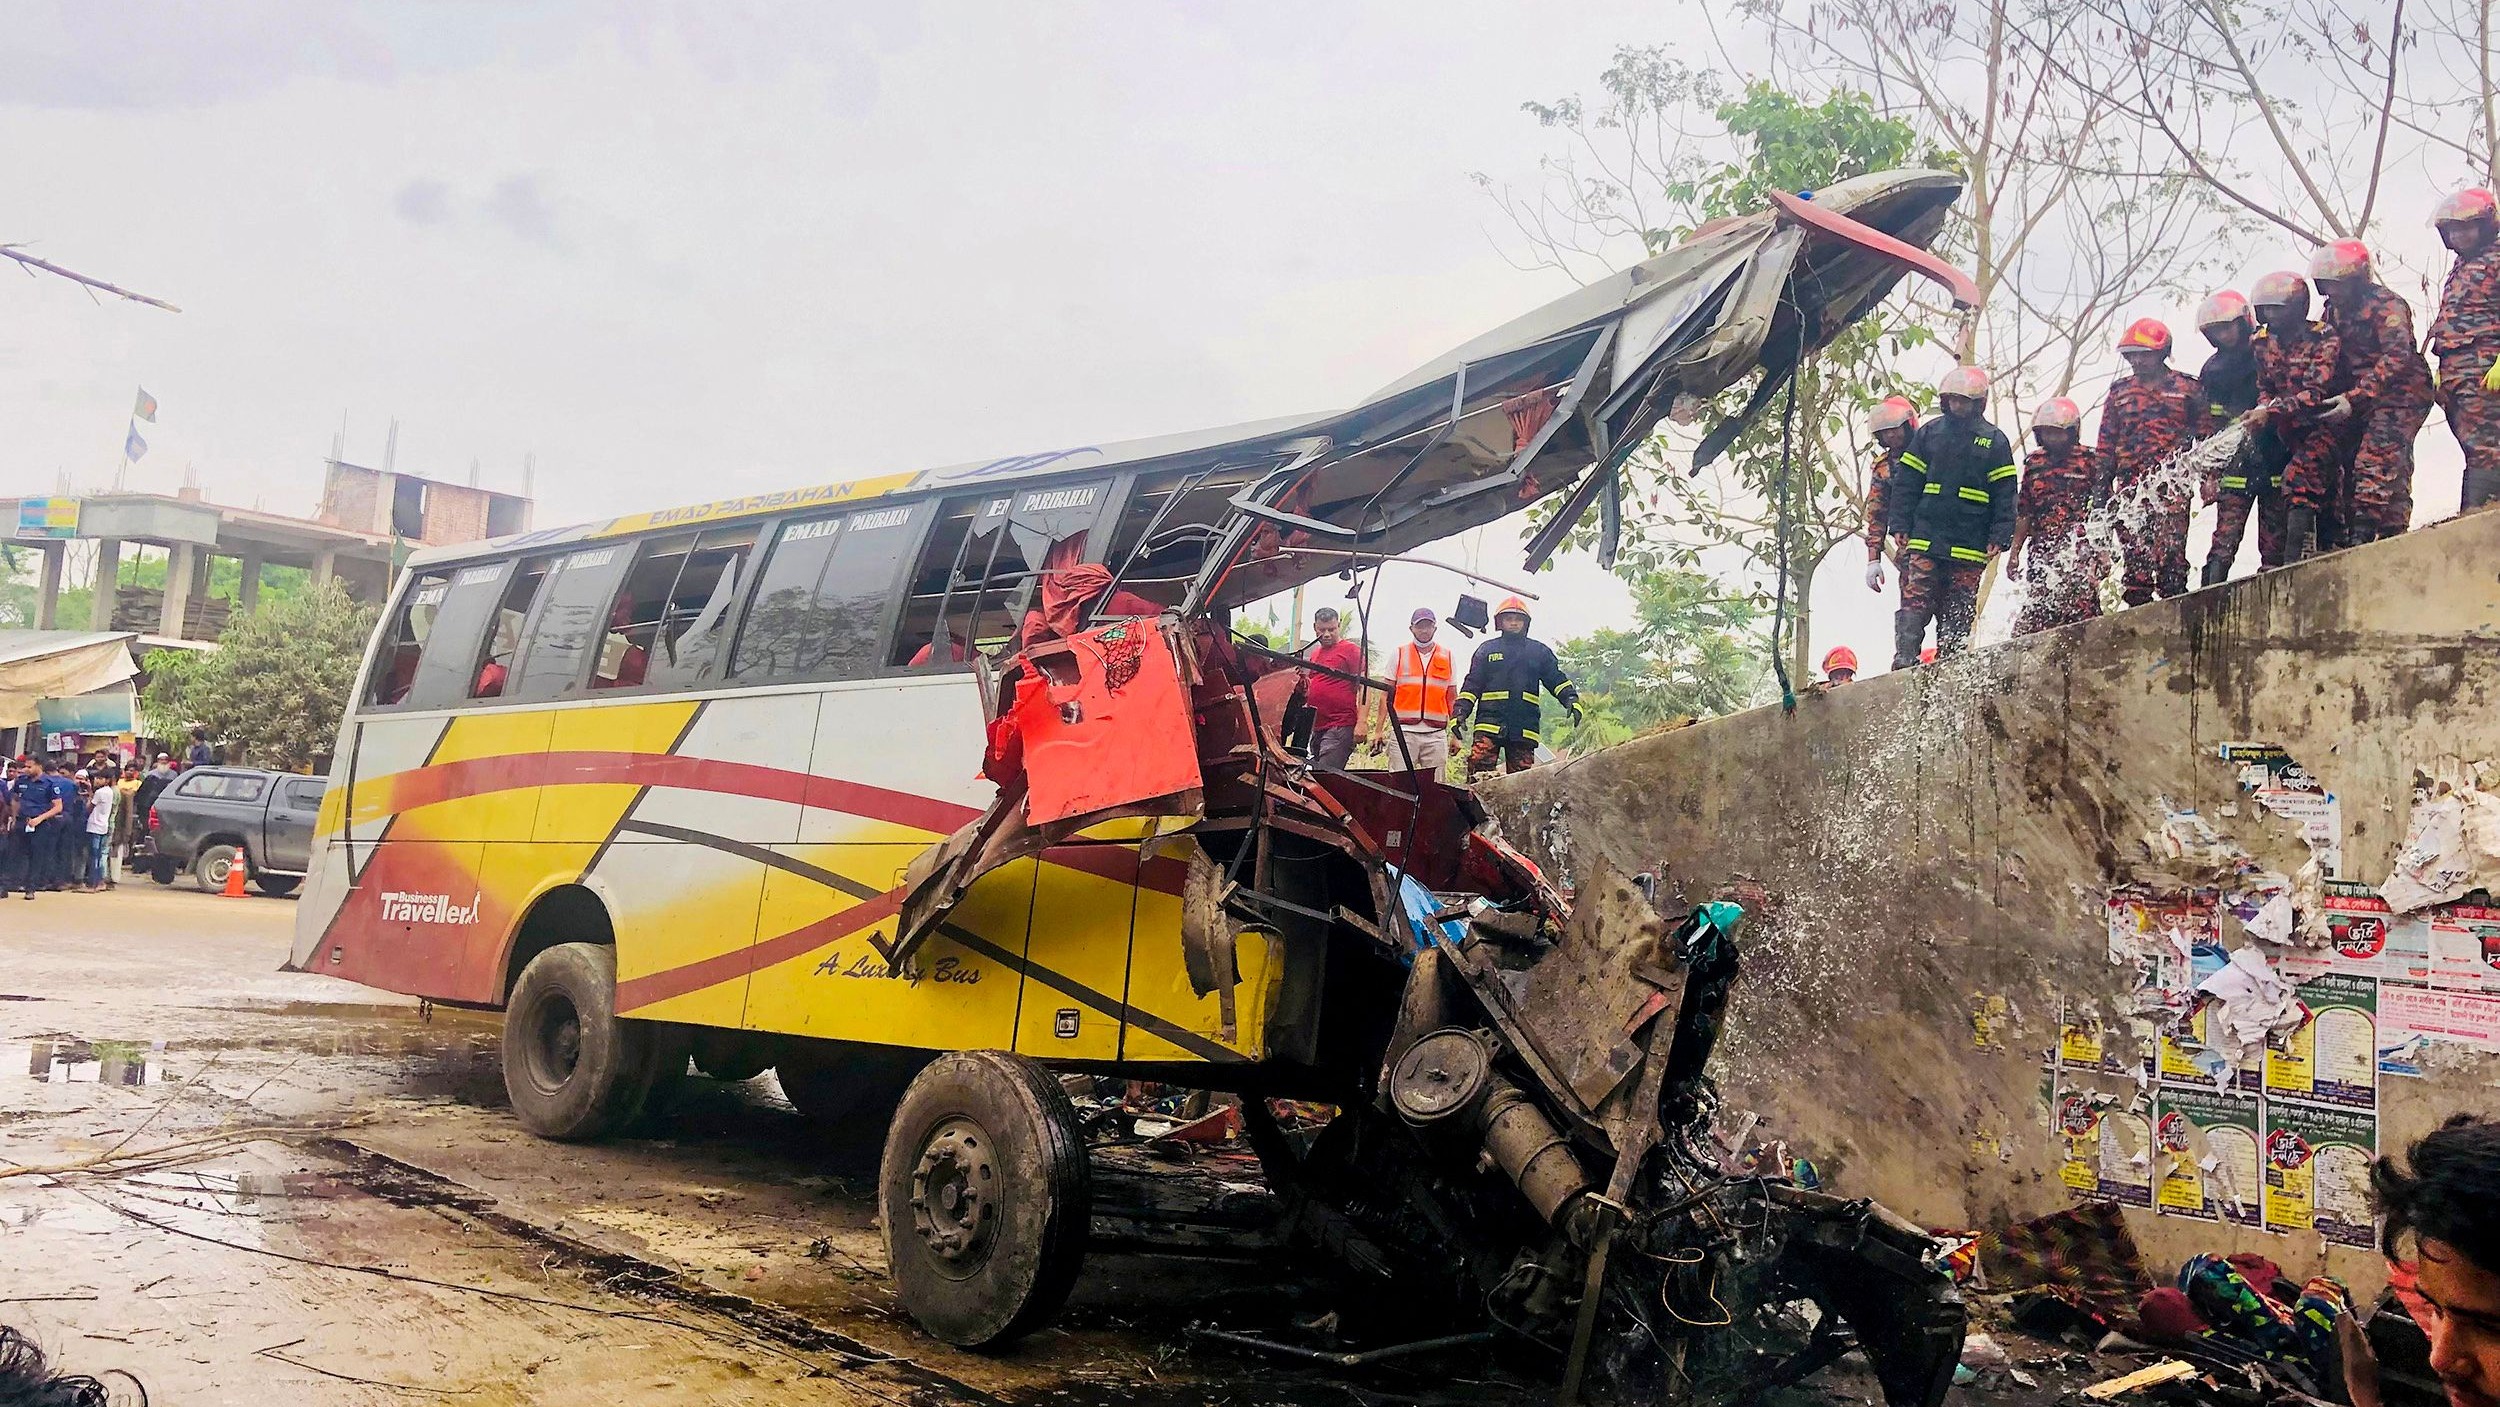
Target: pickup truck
(210, 819)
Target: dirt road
(342, 1211)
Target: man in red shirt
(1332, 701)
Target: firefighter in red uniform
(2386, 391)
(2466, 339)
(2298, 365)
(2061, 486)
(1891, 424)
(2250, 483)
(2151, 415)
(1953, 506)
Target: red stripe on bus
(479, 776)
(634, 993)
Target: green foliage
(276, 684)
(1691, 652)
(1774, 140)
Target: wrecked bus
(918, 789)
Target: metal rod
(1342, 1360)
(1392, 557)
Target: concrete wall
(1939, 842)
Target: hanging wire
(1779, 492)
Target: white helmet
(2057, 413)
(1965, 381)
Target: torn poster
(2296, 796)
(2365, 940)
(2452, 841)
(2332, 1058)
(2107, 1151)
(2465, 949)
(2207, 1155)
(2189, 1049)
(2318, 1171)
(2412, 1017)
(2256, 1005)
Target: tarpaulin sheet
(58, 664)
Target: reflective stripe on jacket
(1425, 685)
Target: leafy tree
(1692, 651)
(1779, 141)
(277, 684)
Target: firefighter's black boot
(2300, 533)
(2217, 571)
(1909, 632)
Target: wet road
(246, 1185)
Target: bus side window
(457, 643)
(573, 613)
(395, 668)
(982, 566)
(1170, 520)
(822, 596)
(503, 637)
(690, 648)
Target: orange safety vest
(1425, 692)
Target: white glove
(1875, 575)
(2336, 411)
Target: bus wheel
(847, 1087)
(729, 1057)
(573, 1069)
(983, 1194)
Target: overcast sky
(682, 251)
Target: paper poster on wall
(2412, 1017)
(2297, 797)
(2318, 1171)
(2206, 1154)
(2106, 1152)
(2141, 923)
(2184, 1052)
(2332, 1058)
(2465, 949)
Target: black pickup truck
(211, 818)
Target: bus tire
(730, 1057)
(983, 1195)
(845, 1087)
(574, 1071)
(164, 871)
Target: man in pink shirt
(1333, 701)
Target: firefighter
(2298, 363)
(2385, 396)
(2252, 480)
(2151, 414)
(1952, 504)
(1891, 425)
(2466, 339)
(2061, 486)
(1423, 696)
(1503, 681)
(1840, 665)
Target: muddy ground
(338, 1208)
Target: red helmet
(1840, 657)
(2345, 258)
(1966, 381)
(2146, 335)
(1511, 605)
(2284, 289)
(2472, 203)
(2057, 413)
(2226, 306)
(1895, 413)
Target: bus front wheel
(573, 1069)
(982, 1191)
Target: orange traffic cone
(234, 877)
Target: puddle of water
(130, 1063)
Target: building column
(181, 564)
(108, 573)
(48, 593)
(248, 594)
(325, 565)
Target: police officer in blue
(36, 823)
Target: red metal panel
(1112, 729)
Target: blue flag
(145, 406)
(133, 447)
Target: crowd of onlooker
(72, 822)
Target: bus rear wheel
(983, 1194)
(573, 1068)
